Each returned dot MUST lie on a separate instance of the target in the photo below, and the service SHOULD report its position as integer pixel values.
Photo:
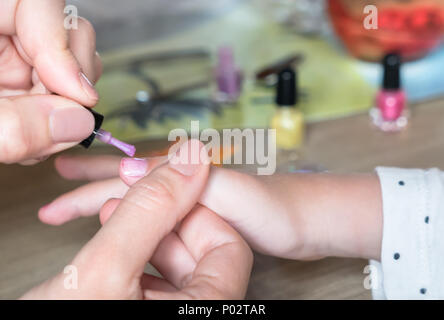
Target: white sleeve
(412, 257)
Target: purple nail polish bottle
(229, 78)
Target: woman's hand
(198, 254)
(38, 57)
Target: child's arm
(301, 216)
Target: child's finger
(83, 201)
(88, 167)
(107, 209)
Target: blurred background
(167, 62)
(162, 58)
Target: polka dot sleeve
(412, 257)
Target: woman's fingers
(82, 202)
(15, 74)
(224, 260)
(82, 43)
(88, 167)
(112, 263)
(171, 258)
(204, 247)
(41, 36)
(148, 212)
(174, 261)
(34, 126)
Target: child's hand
(298, 216)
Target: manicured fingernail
(70, 124)
(88, 87)
(134, 167)
(186, 160)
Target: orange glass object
(412, 28)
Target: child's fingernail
(88, 87)
(134, 167)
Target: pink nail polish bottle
(390, 113)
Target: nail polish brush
(106, 137)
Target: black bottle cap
(392, 75)
(98, 118)
(286, 89)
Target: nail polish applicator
(106, 137)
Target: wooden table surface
(30, 252)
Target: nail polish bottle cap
(98, 120)
(286, 90)
(392, 77)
